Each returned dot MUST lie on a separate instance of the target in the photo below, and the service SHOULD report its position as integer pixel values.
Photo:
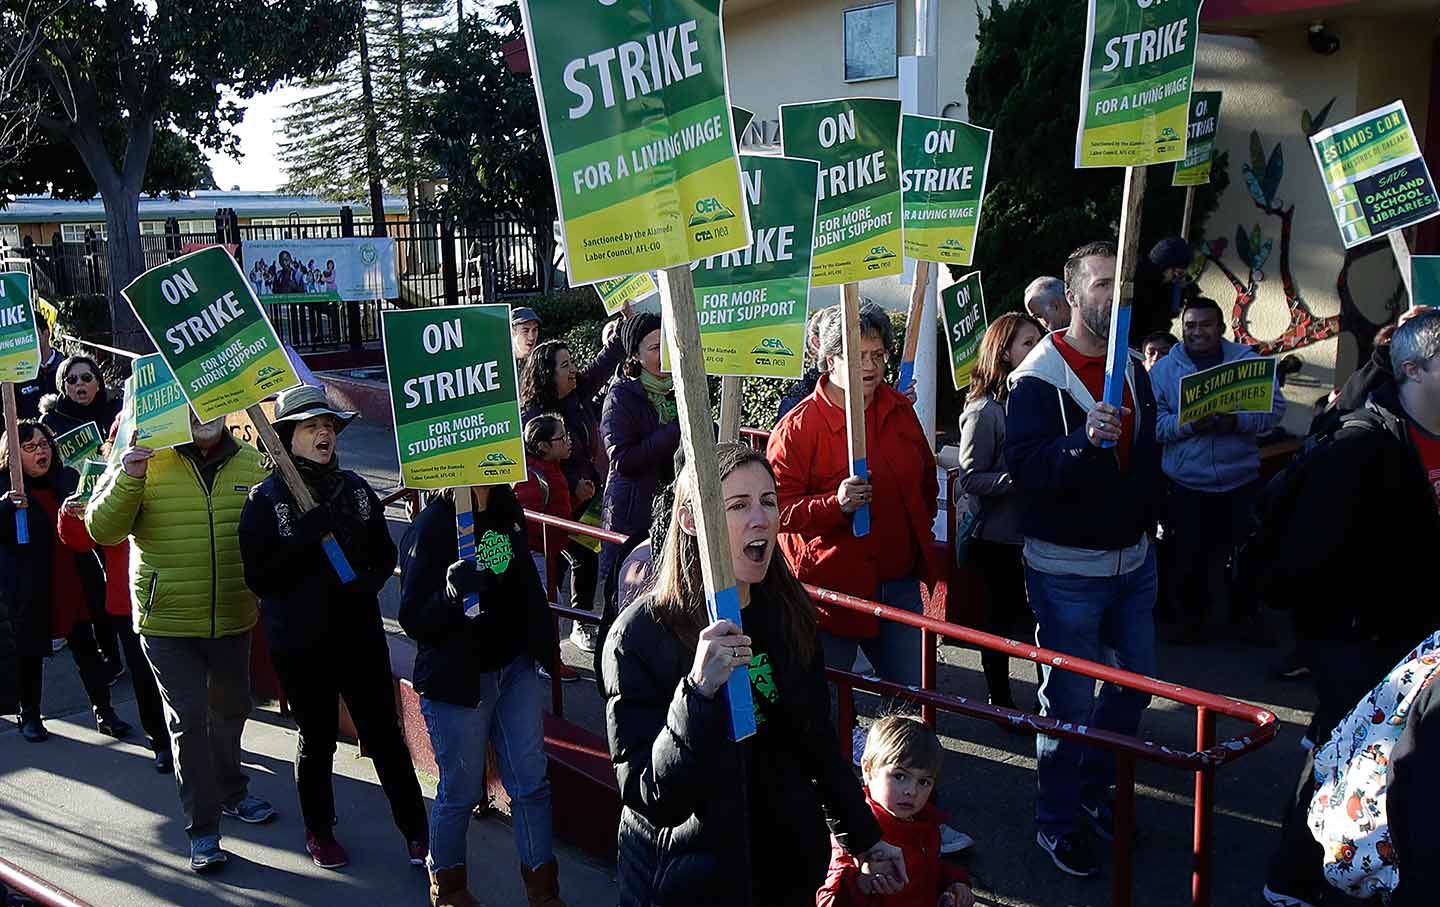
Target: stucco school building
(1279, 63)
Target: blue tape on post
(860, 519)
(22, 528)
(907, 376)
(465, 539)
(725, 605)
(1117, 360)
(337, 559)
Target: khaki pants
(205, 684)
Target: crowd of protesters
(1085, 522)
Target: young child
(547, 445)
(901, 761)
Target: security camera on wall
(1322, 40)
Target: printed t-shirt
(1428, 447)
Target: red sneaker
(418, 850)
(326, 854)
(567, 673)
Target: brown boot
(542, 885)
(447, 888)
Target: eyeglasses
(83, 377)
(877, 359)
(560, 437)
(34, 447)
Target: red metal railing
(1204, 760)
(38, 890)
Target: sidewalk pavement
(90, 815)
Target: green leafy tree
(116, 80)
(1025, 85)
(480, 123)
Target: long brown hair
(677, 593)
(991, 370)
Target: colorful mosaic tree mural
(1263, 176)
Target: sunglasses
(82, 378)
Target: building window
(76, 232)
(9, 236)
(157, 227)
(871, 36)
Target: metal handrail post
(1201, 880)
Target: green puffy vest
(186, 578)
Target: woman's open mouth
(757, 550)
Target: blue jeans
(509, 716)
(1109, 619)
(895, 652)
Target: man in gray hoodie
(1213, 465)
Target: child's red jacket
(919, 840)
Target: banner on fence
(1135, 82)
(615, 293)
(858, 226)
(752, 303)
(159, 416)
(19, 344)
(454, 396)
(206, 322)
(322, 270)
(79, 444)
(90, 473)
(1243, 386)
(962, 309)
(1425, 280)
(942, 181)
(1204, 123)
(636, 112)
(1377, 180)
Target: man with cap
(180, 509)
(524, 331)
(327, 640)
(1162, 288)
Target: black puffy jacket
(454, 650)
(682, 822)
(303, 604)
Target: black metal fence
(437, 263)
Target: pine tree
(324, 151)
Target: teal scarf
(661, 392)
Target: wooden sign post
(692, 399)
(855, 399)
(1401, 248)
(1189, 215)
(731, 401)
(303, 499)
(17, 472)
(1118, 356)
(913, 317)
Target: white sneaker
(57, 644)
(583, 636)
(952, 841)
(857, 745)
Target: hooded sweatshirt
(1085, 513)
(1209, 461)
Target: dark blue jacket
(1074, 493)
(641, 453)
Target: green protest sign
(19, 345)
(90, 473)
(1242, 386)
(79, 444)
(636, 112)
(203, 317)
(858, 226)
(1377, 180)
(942, 179)
(1135, 82)
(1204, 122)
(454, 395)
(962, 309)
(159, 416)
(740, 120)
(1425, 280)
(615, 293)
(752, 303)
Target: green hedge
(575, 316)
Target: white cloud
(259, 133)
